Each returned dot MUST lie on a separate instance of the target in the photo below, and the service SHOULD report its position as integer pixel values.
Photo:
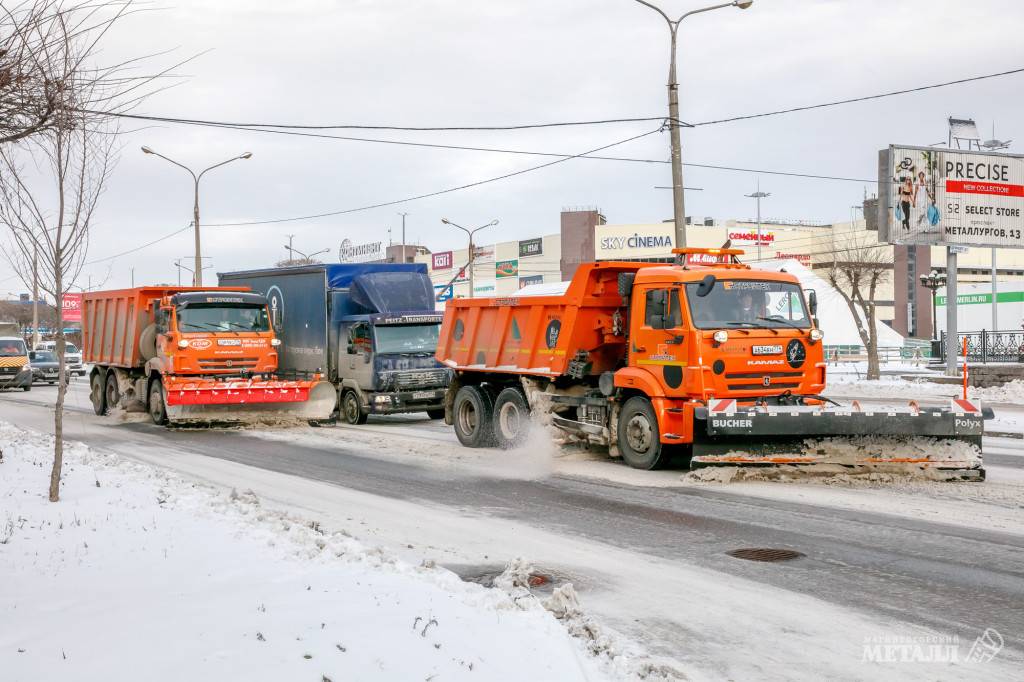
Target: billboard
(951, 196)
(360, 253)
(72, 307)
(506, 268)
(441, 261)
(442, 292)
(530, 279)
(531, 247)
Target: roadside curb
(1005, 434)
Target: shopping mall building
(585, 236)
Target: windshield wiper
(780, 318)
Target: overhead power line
(138, 248)
(852, 100)
(439, 192)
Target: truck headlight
(183, 344)
(816, 335)
(275, 342)
(721, 336)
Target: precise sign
(72, 307)
(951, 196)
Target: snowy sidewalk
(139, 574)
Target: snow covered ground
(141, 574)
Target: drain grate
(765, 554)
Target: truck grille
(228, 363)
(417, 378)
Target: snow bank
(139, 572)
(895, 387)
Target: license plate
(767, 350)
(229, 342)
(419, 395)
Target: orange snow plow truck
(192, 355)
(707, 359)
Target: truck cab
(386, 365)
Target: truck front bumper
(406, 401)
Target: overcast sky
(451, 62)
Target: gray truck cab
(386, 365)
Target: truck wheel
(511, 418)
(473, 415)
(351, 410)
(436, 414)
(113, 395)
(157, 404)
(639, 439)
(97, 394)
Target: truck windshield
(218, 317)
(748, 303)
(12, 348)
(408, 338)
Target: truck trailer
(706, 358)
(370, 328)
(188, 354)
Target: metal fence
(986, 346)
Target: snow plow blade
(943, 442)
(245, 400)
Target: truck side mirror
(812, 302)
(706, 285)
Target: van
(15, 370)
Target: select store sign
(938, 196)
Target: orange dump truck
(192, 355)
(707, 358)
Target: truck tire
(436, 414)
(473, 413)
(639, 438)
(157, 403)
(112, 393)
(351, 410)
(97, 393)
(511, 418)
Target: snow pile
(1010, 392)
(137, 571)
(845, 459)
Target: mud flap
(800, 436)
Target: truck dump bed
(113, 321)
(541, 335)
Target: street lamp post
(934, 281)
(678, 209)
(292, 250)
(197, 273)
(758, 195)
(472, 249)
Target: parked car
(15, 371)
(72, 356)
(45, 367)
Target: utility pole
(678, 208)
(758, 195)
(472, 248)
(133, 278)
(289, 246)
(952, 338)
(403, 235)
(197, 273)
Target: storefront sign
(72, 307)
(360, 253)
(531, 247)
(614, 242)
(530, 279)
(441, 261)
(506, 268)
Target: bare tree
(859, 267)
(289, 262)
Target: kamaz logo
(732, 423)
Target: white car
(72, 356)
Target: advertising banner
(530, 279)
(506, 268)
(951, 196)
(531, 247)
(441, 261)
(72, 306)
(360, 253)
(442, 292)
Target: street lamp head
(147, 150)
(493, 222)
(247, 155)
(743, 4)
(445, 221)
